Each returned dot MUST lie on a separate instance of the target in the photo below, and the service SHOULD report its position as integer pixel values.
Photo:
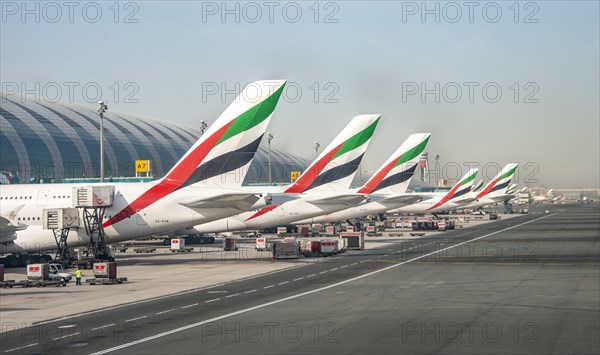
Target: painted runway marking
(104, 326)
(341, 267)
(300, 278)
(23, 347)
(167, 311)
(302, 294)
(216, 291)
(67, 326)
(284, 282)
(250, 291)
(333, 269)
(311, 275)
(213, 300)
(322, 272)
(189, 305)
(66, 336)
(235, 294)
(194, 290)
(269, 286)
(138, 318)
(353, 264)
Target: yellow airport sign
(294, 175)
(143, 166)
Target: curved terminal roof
(44, 141)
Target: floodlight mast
(101, 111)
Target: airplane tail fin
(511, 189)
(522, 189)
(395, 174)
(462, 187)
(223, 153)
(549, 194)
(499, 184)
(336, 165)
(478, 186)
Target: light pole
(101, 112)
(317, 146)
(269, 139)
(437, 159)
(203, 127)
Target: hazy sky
(494, 82)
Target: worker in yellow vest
(78, 277)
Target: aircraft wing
(403, 199)
(241, 200)
(501, 198)
(350, 199)
(464, 201)
(9, 225)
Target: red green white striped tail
(335, 167)
(395, 174)
(221, 156)
(462, 187)
(500, 183)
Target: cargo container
(177, 244)
(329, 230)
(424, 225)
(404, 224)
(38, 272)
(285, 250)
(441, 226)
(106, 270)
(303, 231)
(230, 244)
(355, 240)
(310, 247)
(342, 245)
(329, 246)
(281, 230)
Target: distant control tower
(423, 165)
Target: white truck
(58, 273)
(262, 244)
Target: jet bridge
(61, 221)
(94, 200)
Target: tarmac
(157, 274)
(528, 284)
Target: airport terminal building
(51, 142)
